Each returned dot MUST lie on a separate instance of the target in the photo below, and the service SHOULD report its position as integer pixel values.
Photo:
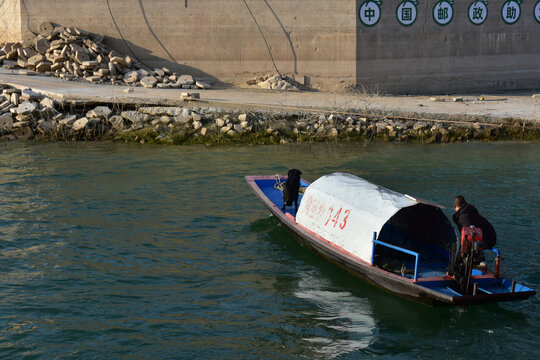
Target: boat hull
(422, 290)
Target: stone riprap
(71, 53)
(26, 114)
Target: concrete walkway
(524, 106)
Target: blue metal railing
(415, 254)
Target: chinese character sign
(370, 12)
(478, 12)
(443, 12)
(406, 12)
(511, 11)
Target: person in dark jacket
(467, 215)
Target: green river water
(124, 251)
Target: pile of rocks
(71, 53)
(25, 114)
(274, 83)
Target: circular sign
(537, 11)
(478, 12)
(406, 13)
(369, 13)
(511, 12)
(443, 12)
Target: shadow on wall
(151, 61)
(287, 35)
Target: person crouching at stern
(467, 215)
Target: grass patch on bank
(456, 134)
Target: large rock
(136, 117)
(184, 117)
(25, 108)
(185, 80)
(80, 124)
(197, 125)
(28, 94)
(6, 121)
(148, 81)
(81, 56)
(68, 120)
(99, 112)
(277, 83)
(333, 133)
(15, 99)
(48, 102)
(131, 77)
(89, 64)
(142, 73)
(28, 52)
(41, 45)
(202, 85)
(118, 60)
(49, 112)
(43, 67)
(112, 69)
(56, 66)
(46, 127)
(36, 59)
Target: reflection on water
(351, 317)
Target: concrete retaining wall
(460, 56)
(322, 39)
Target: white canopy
(346, 210)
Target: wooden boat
(397, 242)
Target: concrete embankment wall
(325, 40)
(216, 38)
(428, 57)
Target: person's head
(459, 201)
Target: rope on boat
(279, 184)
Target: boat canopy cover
(346, 210)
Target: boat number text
(336, 218)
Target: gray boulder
(6, 121)
(99, 112)
(80, 124)
(185, 80)
(25, 108)
(131, 77)
(136, 117)
(148, 81)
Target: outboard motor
(468, 253)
